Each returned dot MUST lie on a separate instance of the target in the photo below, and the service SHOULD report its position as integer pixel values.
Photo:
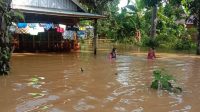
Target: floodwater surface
(80, 82)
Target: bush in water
(164, 81)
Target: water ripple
(31, 105)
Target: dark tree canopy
(194, 8)
(151, 3)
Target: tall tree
(7, 17)
(154, 5)
(137, 9)
(194, 8)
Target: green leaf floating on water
(44, 108)
(35, 95)
(34, 79)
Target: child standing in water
(113, 53)
(151, 54)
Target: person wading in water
(113, 53)
(151, 54)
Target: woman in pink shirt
(151, 54)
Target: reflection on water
(55, 83)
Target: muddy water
(55, 83)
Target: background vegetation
(171, 31)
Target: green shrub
(150, 42)
(184, 44)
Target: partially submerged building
(48, 23)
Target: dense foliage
(171, 32)
(194, 7)
(7, 17)
(121, 26)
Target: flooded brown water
(54, 83)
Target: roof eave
(60, 13)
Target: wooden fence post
(95, 37)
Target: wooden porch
(67, 12)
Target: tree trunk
(5, 49)
(198, 45)
(95, 37)
(5, 52)
(198, 39)
(154, 21)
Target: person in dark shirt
(113, 53)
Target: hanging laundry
(47, 26)
(60, 30)
(81, 34)
(62, 26)
(82, 28)
(21, 25)
(22, 30)
(68, 34)
(32, 25)
(65, 34)
(39, 28)
(71, 34)
(31, 28)
(33, 31)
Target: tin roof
(79, 5)
(57, 12)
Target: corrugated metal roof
(79, 5)
(57, 12)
